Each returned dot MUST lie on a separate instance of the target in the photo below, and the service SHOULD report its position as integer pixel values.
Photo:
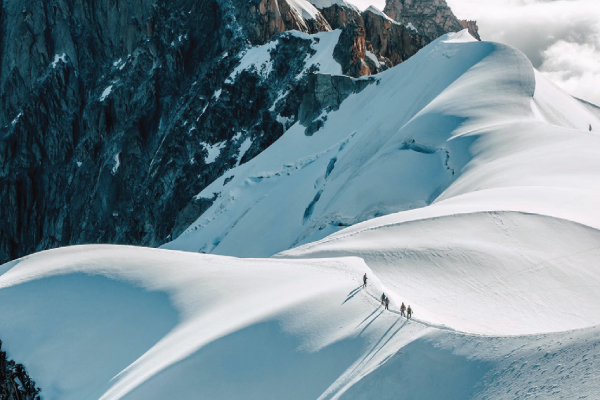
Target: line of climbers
(385, 301)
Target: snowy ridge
(452, 138)
(477, 207)
(304, 8)
(321, 4)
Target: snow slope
(115, 322)
(459, 118)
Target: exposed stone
(432, 18)
(472, 28)
(325, 93)
(339, 16)
(15, 383)
(392, 42)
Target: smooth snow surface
(458, 118)
(115, 322)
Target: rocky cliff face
(432, 18)
(15, 383)
(115, 114)
(371, 41)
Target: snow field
(116, 322)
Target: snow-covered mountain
(114, 115)
(462, 182)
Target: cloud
(560, 37)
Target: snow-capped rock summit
(432, 18)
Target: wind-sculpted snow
(112, 322)
(116, 322)
(459, 117)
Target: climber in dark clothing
(403, 310)
(409, 313)
(383, 299)
(365, 280)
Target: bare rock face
(472, 28)
(371, 42)
(392, 42)
(338, 16)
(261, 19)
(432, 18)
(350, 52)
(15, 383)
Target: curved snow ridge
(493, 273)
(450, 111)
(141, 315)
(542, 201)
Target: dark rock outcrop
(370, 41)
(432, 18)
(338, 16)
(15, 383)
(392, 42)
(261, 19)
(326, 93)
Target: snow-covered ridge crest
(304, 8)
(321, 4)
(369, 141)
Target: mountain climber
(365, 280)
(387, 303)
(409, 313)
(383, 298)
(403, 310)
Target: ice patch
(213, 151)
(57, 58)
(243, 149)
(106, 93)
(257, 59)
(14, 121)
(117, 159)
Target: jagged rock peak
(261, 19)
(338, 13)
(432, 18)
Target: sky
(560, 37)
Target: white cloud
(560, 37)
